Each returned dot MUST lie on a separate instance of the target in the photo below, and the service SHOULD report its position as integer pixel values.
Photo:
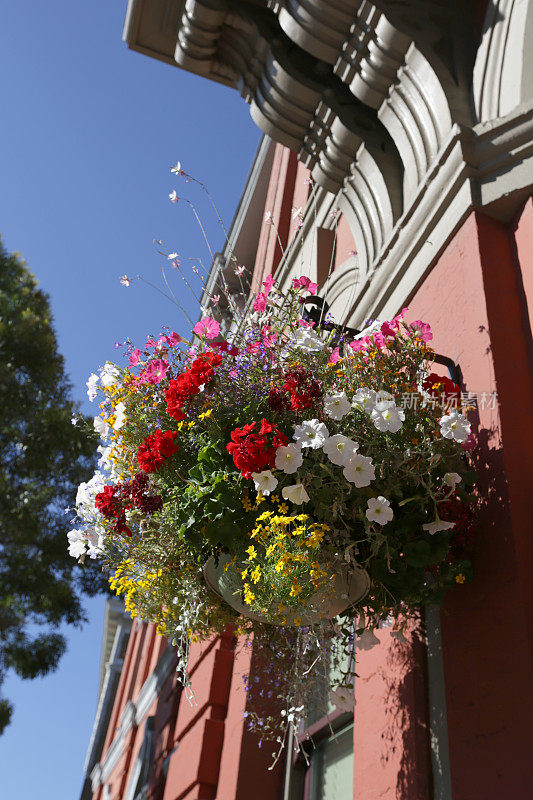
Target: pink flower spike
(358, 344)
(260, 302)
(135, 358)
(215, 300)
(268, 283)
(254, 347)
(304, 324)
(207, 327)
(335, 356)
(150, 342)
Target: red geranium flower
(255, 452)
(439, 386)
(155, 449)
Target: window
(327, 740)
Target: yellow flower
(295, 589)
(297, 621)
(460, 578)
(283, 508)
(256, 574)
(249, 596)
(251, 551)
(205, 414)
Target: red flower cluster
(254, 452)
(302, 391)
(110, 504)
(155, 449)
(439, 386)
(114, 501)
(188, 383)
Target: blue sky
(90, 130)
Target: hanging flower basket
(297, 484)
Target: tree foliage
(43, 458)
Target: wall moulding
(380, 101)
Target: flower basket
(348, 586)
(297, 484)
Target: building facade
(396, 170)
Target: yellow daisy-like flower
(256, 574)
(252, 553)
(460, 578)
(205, 414)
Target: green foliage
(43, 458)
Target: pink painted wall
(472, 302)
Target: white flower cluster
(87, 540)
(343, 451)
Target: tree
(43, 458)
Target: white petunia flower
(455, 426)
(307, 339)
(76, 543)
(437, 526)
(92, 386)
(387, 417)
(109, 375)
(379, 510)
(95, 541)
(342, 698)
(264, 481)
(120, 416)
(289, 458)
(366, 640)
(85, 496)
(100, 427)
(364, 399)
(451, 479)
(337, 406)
(311, 433)
(359, 470)
(295, 493)
(339, 448)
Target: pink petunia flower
(207, 327)
(304, 324)
(305, 283)
(260, 302)
(135, 358)
(268, 283)
(155, 372)
(387, 329)
(335, 356)
(424, 330)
